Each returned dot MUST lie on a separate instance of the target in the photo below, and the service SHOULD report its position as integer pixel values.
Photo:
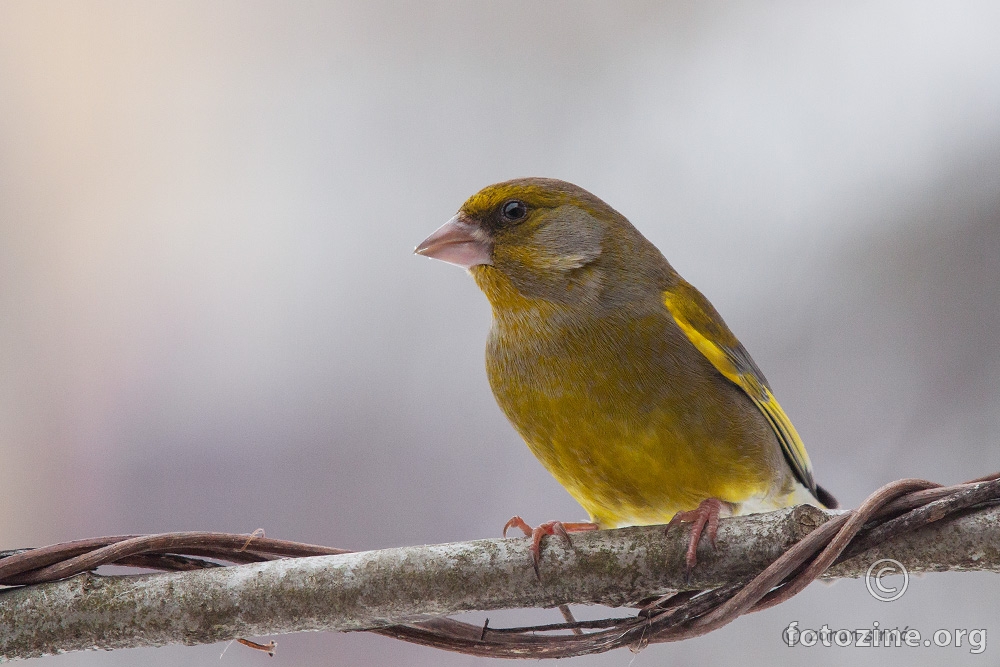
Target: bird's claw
(705, 516)
(542, 529)
(516, 522)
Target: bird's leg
(548, 528)
(706, 515)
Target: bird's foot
(706, 515)
(548, 528)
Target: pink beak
(459, 242)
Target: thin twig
(808, 543)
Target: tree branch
(376, 589)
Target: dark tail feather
(824, 497)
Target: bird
(619, 375)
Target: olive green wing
(706, 330)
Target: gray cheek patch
(572, 240)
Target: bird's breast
(626, 414)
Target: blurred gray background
(210, 317)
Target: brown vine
(894, 509)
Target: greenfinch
(619, 375)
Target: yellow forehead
(535, 193)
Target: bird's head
(550, 239)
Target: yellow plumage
(620, 376)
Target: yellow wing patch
(709, 334)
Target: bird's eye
(514, 210)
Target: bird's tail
(825, 497)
